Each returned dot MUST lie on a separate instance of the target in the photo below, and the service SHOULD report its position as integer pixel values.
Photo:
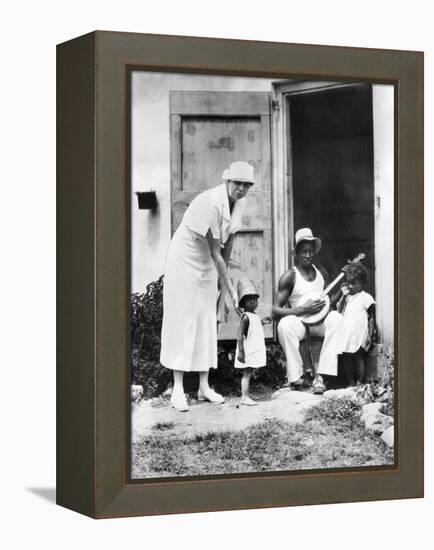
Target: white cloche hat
(240, 171)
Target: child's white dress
(254, 344)
(353, 331)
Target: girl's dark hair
(357, 271)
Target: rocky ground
(285, 405)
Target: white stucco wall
(383, 113)
(151, 160)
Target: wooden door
(209, 130)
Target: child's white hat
(246, 287)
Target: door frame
(384, 194)
(282, 190)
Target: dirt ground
(206, 417)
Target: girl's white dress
(353, 331)
(189, 331)
(254, 344)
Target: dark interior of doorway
(333, 174)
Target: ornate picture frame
(94, 273)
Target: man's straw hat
(305, 234)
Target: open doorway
(331, 174)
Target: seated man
(305, 277)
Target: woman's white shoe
(179, 402)
(210, 395)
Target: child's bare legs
(348, 364)
(245, 384)
(354, 366)
(359, 366)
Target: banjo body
(318, 317)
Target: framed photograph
(240, 274)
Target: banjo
(316, 318)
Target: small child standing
(250, 352)
(356, 335)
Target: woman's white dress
(353, 331)
(189, 331)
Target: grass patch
(343, 411)
(163, 426)
(331, 436)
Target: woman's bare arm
(227, 249)
(216, 254)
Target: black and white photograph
(262, 275)
(217, 231)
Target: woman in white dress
(198, 256)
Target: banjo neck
(332, 285)
(324, 293)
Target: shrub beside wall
(146, 320)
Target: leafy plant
(343, 409)
(387, 361)
(146, 321)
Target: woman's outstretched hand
(234, 299)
